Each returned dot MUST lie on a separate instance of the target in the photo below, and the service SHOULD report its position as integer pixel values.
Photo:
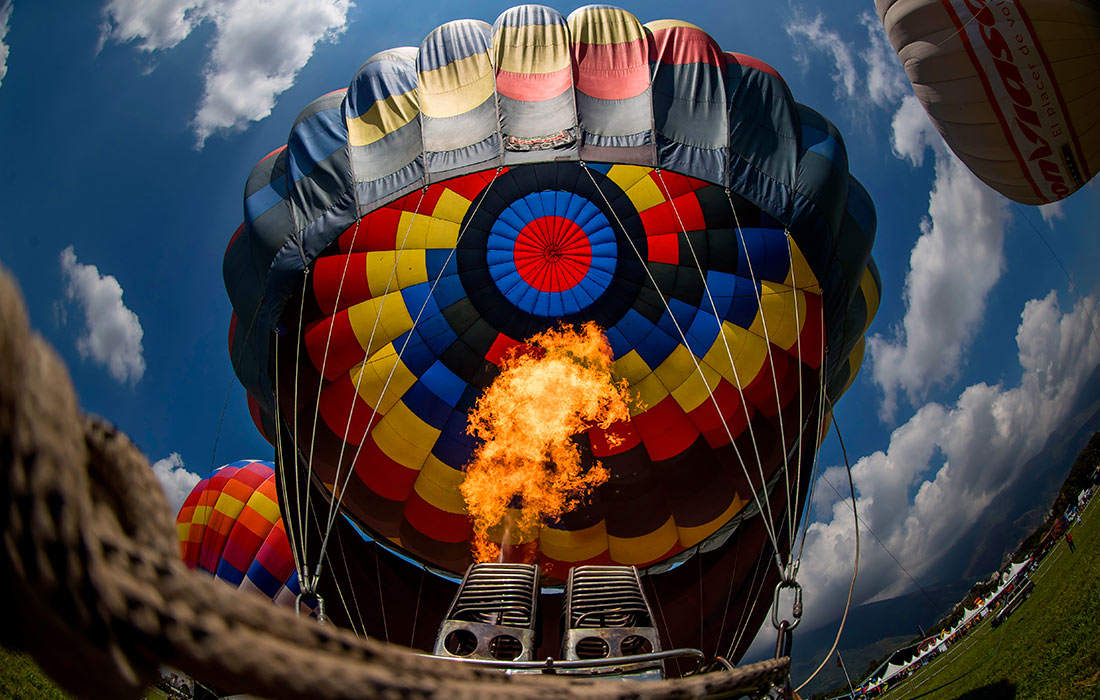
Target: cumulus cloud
(959, 255)
(1051, 213)
(811, 33)
(882, 80)
(928, 491)
(886, 81)
(957, 259)
(112, 333)
(257, 50)
(5, 22)
(912, 132)
(175, 479)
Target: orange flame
(528, 469)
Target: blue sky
(128, 127)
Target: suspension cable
(337, 497)
(883, 545)
(729, 354)
(695, 360)
(381, 596)
(328, 344)
(746, 612)
(792, 510)
(308, 584)
(855, 565)
(280, 466)
(819, 438)
(336, 581)
(351, 588)
(729, 597)
(1069, 278)
(758, 289)
(400, 353)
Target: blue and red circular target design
(552, 253)
(409, 313)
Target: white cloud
(929, 489)
(257, 50)
(886, 81)
(955, 262)
(158, 24)
(959, 255)
(913, 132)
(1051, 213)
(112, 333)
(5, 21)
(811, 33)
(174, 478)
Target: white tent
(936, 643)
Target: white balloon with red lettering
(1010, 84)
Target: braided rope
(99, 596)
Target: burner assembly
(605, 614)
(493, 615)
(606, 624)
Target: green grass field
(21, 679)
(1048, 648)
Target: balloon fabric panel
(497, 287)
(713, 230)
(230, 527)
(1010, 87)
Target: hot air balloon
(498, 181)
(1010, 85)
(229, 526)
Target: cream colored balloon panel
(1011, 84)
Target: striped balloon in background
(230, 527)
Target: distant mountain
(855, 660)
(1014, 514)
(872, 630)
(876, 628)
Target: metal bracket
(796, 607)
(321, 618)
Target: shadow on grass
(1000, 690)
(997, 690)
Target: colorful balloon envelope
(1010, 85)
(229, 526)
(501, 180)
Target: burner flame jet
(527, 470)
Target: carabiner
(796, 607)
(308, 597)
